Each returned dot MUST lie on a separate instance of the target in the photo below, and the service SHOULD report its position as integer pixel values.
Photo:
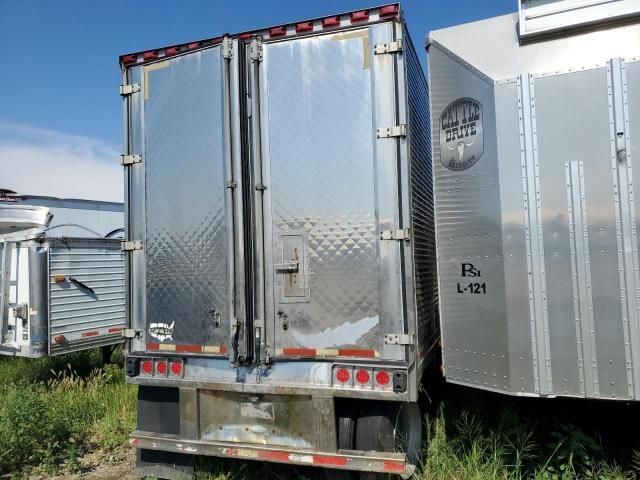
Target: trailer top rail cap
(18, 218)
(543, 17)
(328, 23)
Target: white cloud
(39, 161)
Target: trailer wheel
(389, 427)
(346, 441)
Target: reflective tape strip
(171, 347)
(327, 352)
(394, 466)
(282, 456)
(93, 333)
(331, 461)
(362, 461)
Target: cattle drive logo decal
(461, 135)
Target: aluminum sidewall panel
(469, 231)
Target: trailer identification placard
(461, 134)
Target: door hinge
(131, 333)
(129, 89)
(256, 50)
(130, 159)
(227, 48)
(398, 339)
(391, 47)
(402, 234)
(261, 187)
(131, 245)
(395, 131)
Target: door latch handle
(287, 267)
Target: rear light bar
(155, 367)
(369, 377)
(357, 18)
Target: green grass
(54, 410)
(465, 449)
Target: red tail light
(342, 375)
(161, 367)
(383, 378)
(147, 367)
(362, 377)
(176, 368)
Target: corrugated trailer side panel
(536, 209)
(421, 208)
(86, 295)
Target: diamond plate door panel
(186, 235)
(319, 139)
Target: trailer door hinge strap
(398, 339)
(402, 234)
(256, 50)
(232, 184)
(261, 186)
(391, 47)
(227, 48)
(395, 131)
(129, 89)
(131, 333)
(130, 159)
(131, 245)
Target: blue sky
(59, 73)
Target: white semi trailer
(61, 275)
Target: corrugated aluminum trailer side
(536, 120)
(280, 227)
(60, 295)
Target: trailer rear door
(179, 124)
(333, 287)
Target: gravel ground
(117, 465)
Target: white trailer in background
(61, 275)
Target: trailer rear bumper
(382, 462)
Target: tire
(389, 427)
(346, 441)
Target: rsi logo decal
(461, 135)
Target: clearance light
(360, 16)
(59, 278)
(147, 367)
(304, 27)
(331, 22)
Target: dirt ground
(116, 465)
